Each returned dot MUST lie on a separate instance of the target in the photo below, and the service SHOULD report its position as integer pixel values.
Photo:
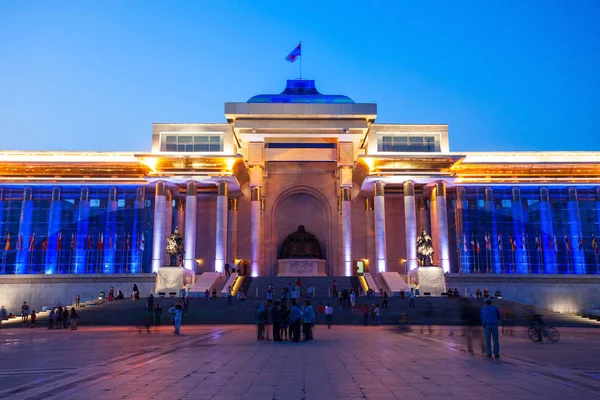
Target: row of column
(226, 212)
(438, 218)
(79, 243)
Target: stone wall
(48, 290)
(562, 293)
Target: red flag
(594, 244)
(20, 244)
(73, 241)
(89, 242)
(513, 244)
(31, 245)
(488, 244)
(59, 242)
(478, 248)
(297, 52)
(101, 241)
(7, 242)
(45, 244)
(567, 243)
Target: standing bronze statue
(300, 244)
(424, 249)
(175, 248)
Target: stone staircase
(445, 311)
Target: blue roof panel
(301, 91)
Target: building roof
(301, 91)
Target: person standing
(227, 269)
(275, 319)
(334, 289)
(177, 311)
(490, 315)
(329, 315)
(77, 300)
(321, 313)
(308, 321)
(157, 314)
(51, 318)
(25, 313)
(295, 316)
(33, 318)
(377, 320)
(74, 319)
(229, 296)
(365, 313)
(384, 302)
(411, 302)
(2, 315)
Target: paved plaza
(227, 362)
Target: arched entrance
(300, 205)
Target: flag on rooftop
(297, 52)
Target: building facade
(236, 189)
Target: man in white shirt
(328, 315)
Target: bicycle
(536, 333)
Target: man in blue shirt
(489, 319)
(295, 317)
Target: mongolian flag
(101, 241)
(500, 246)
(142, 242)
(580, 243)
(59, 242)
(88, 244)
(20, 244)
(538, 242)
(7, 242)
(472, 245)
(45, 244)
(567, 243)
(488, 244)
(555, 243)
(478, 248)
(513, 244)
(594, 244)
(31, 244)
(73, 241)
(297, 52)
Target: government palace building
(238, 190)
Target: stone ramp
(445, 312)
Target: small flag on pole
(20, 244)
(59, 242)
(297, 52)
(500, 242)
(594, 244)
(101, 241)
(567, 243)
(7, 242)
(142, 242)
(45, 243)
(31, 245)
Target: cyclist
(537, 321)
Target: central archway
(301, 205)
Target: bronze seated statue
(300, 244)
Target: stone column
(369, 230)
(442, 225)
(25, 232)
(232, 253)
(433, 216)
(576, 240)
(380, 239)
(347, 230)
(51, 261)
(221, 234)
(189, 237)
(138, 232)
(168, 222)
(461, 215)
(110, 241)
(520, 260)
(158, 237)
(410, 224)
(179, 214)
(547, 234)
(255, 230)
(492, 256)
(82, 264)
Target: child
(33, 318)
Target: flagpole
(301, 59)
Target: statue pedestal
(170, 280)
(428, 280)
(301, 267)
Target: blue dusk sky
(94, 75)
